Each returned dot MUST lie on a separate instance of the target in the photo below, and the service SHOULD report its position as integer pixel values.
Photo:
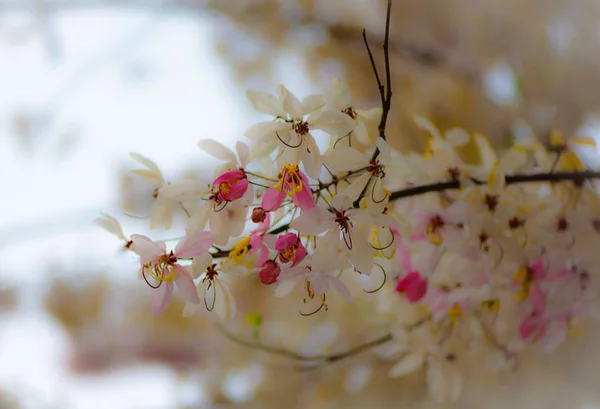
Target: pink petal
(416, 290)
(195, 244)
(304, 198)
(538, 269)
(300, 254)
(402, 254)
(285, 241)
(537, 299)
(236, 191)
(230, 176)
(160, 298)
(270, 273)
(146, 248)
(404, 282)
(272, 199)
(185, 285)
(532, 324)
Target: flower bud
(270, 272)
(258, 215)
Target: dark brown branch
(575, 177)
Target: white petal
(243, 153)
(311, 103)
(409, 364)
(199, 218)
(426, 125)
(311, 157)
(266, 131)
(194, 244)
(263, 102)
(331, 122)
(289, 102)
(373, 113)
(341, 94)
(147, 163)
(457, 137)
(357, 186)
(385, 152)
(161, 213)
(225, 306)
(362, 133)
(361, 253)
(342, 289)
(184, 190)
(313, 222)
(344, 159)
(284, 287)
(200, 263)
(111, 225)
(437, 384)
(149, 175)
(341, 202)
(217, 150)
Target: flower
(292, 183)
(290, 249)
(230, 186)
(112, 225)
(413, 285)
(161, 269)
(214, 292)
(347, 225)
(292, 130)
(161, 212)
(341, 100)
(269, 273)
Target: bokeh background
(85, 82)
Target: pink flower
(290, 248)
(413, 285)
(160, 269)
(231, 185)
(270, 272)
(292, 183)
(259, 246)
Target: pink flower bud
(270, 272)
(258, 215)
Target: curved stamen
(373, 192)
(222, 205)
(382, 284)
(387, 246)
(148, 282)
(318, 309)
(347, 238)
(342, 137)
(208, 287)
(287, 144)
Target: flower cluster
(499, 250)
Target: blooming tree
(500, 255)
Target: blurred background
(85, 82)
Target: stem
(576, 177)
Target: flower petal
(344, 159)
(184, 190)
(311, 103)
(409, 364)
(331, 122)
(194, 245)
(146, 248)
(217, 150)
(313, 221)
(161, 297)
(289, 102)
(185, 284)
(263, 102)
(272, 199)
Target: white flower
(347, 225)
(291, 131)
(161, 212)
(211, 289)
(341, 100)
